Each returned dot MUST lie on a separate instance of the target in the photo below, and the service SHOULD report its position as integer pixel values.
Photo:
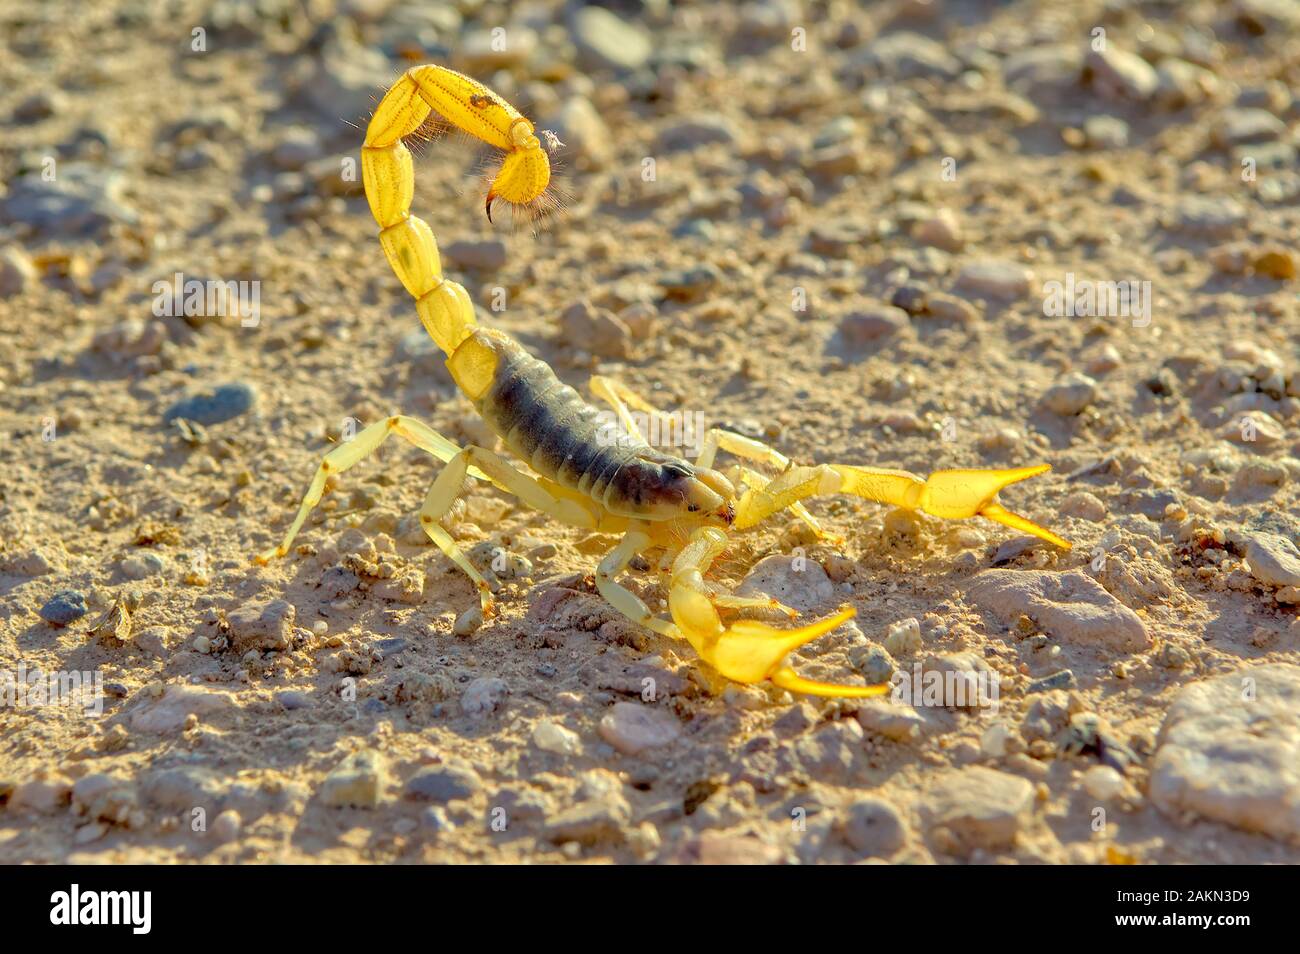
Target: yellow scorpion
(659, 503)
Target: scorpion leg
(747, 651)
(619, 396)
(720, 596)
(745, 447)
(731, 601)
(950, 494)
(619, 596)
(634, 608)
(448, 485)
(348, 454)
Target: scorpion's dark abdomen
(548, 424)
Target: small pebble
(356, 782)
(634, 728)
(863, 327)
(1057, 680)
(550, 737)
(904, 637)
(487, 255)
(1105, 132)
(1173, 656)
(605, 41)
(222, 404)
(943, 230)
(1071, 395)
(484, 696)
(875, 664)
(17, 273)
(469, 622)
(1120, 75)
(443, 784)
(1103, 783)
(874, 828)
(990, 278)
(225, 827)
(140, 566)
(993, 742)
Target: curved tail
(389, 178)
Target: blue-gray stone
(64, 607)
(443, 784)
(293, 699)
(79, 202)
(223, 404)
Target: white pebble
(904, 637)
(1103, 783)
(556, 738)
(469, 621)
(993, 742)
(225, 827)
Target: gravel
(836, 250)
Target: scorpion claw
(787, 678)
(749, 652)
(964, 493)
(1005, 517)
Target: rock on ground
(356, 782)
(634, 728)
(798, 582)
(170, 712)
(484, 696)
(1273, 559)
(1072, 606)
(873, 828)
(261, 626)
(443, 783)
(1229, 751)
(979, 807)
(591, 821)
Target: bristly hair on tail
(542, 212)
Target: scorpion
(659, 503)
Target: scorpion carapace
(663, 505)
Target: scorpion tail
(387, 172)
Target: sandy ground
(752, 186)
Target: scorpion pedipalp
(747, 651)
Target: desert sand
(890, 234)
